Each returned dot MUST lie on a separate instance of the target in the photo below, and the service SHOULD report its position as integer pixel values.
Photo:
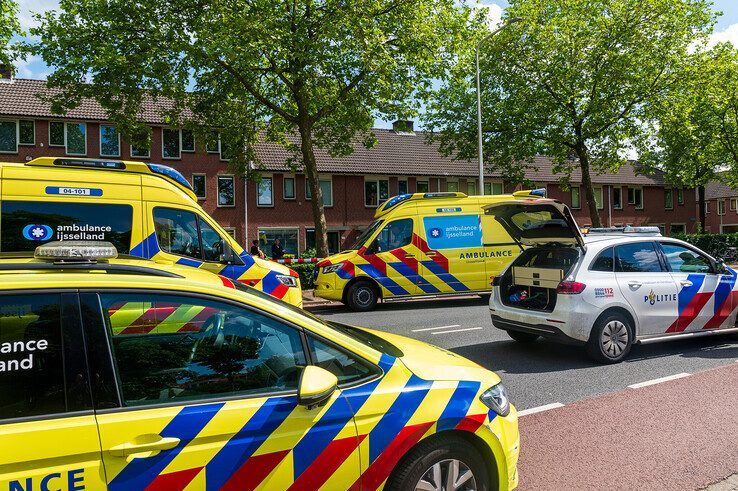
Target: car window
(32, 374)
(639, 257)
(171, 348)
(176, 232)
(395, 235)
(212, 242)
(604, 262)
(684, 260)
(28, 224)
(345, 366)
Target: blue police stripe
(189, 262)
(414, 277)
(725, 286)
(445, 276)
(139, 473)
(383, 280)
(244, 443)
(458, 406)
(687, 293)
(397, 415)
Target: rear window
(534, 221)
(605, 261)
(640, 257)
(27, 224)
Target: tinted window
(176, 232)
(394, 235)
(604, 262)
(345, 366)
(684, 260)
(27, 224)
(638, 258)
(31, 363)
(212, 245)
(170, 348)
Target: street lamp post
(479, 102)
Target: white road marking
(458, 330)
(539, 409)
(658, 380)
(435, 328)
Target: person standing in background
(255, 251)
(277, 249)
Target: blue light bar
(171, 173)
(395, 200)
(540, 192)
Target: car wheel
(441, 464)
(611, 339)
(523, 337)
(361, 297)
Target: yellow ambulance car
(422, 244)
(124, 374)
(145, 210)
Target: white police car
(606, 290)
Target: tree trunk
(701, 207)
(311, 174)
(583, 155)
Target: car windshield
(365, 235)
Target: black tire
(361, 296)
(523, 337)
(440, 450)
(610, 326)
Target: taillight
(570, 287)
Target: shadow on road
(545, 356)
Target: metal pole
(480, 152)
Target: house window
(680, 196)
(137, 151)
(376, 191)
(171, 143)
(226, 191)
(617, 198)
(198, 185)
(598, 198)
(188, 141)
(452, 186)
(109, 141)
(707, 207)
(635, 197)
(264, 196)
(677, 228)
(8, 137)
(287, 237)
(212, 145)
(576, 201)
(721, 207)
(402, 186)
(288, 188)
(26, 132)
(231, 231)
(733, 204)
(76, 138)
(471, 188)
(334, 240)
(421, 186)
(56, 134)
(668, 199)
(326, 187)
(493, 188)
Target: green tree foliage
(695, 127)
(571, 80)
(305, 73)
(9, 27)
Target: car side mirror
(316, 386)
(373, 248)
(720, 267)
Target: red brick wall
(714, 223)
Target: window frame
(698, 252)
(270, 178)
(17, 135)
(680, 196)
(721, 207)
(164, 129)
(638, 206)
(377, 180)
(407, 185)
(599, 190)
(418, 181)
(233, 180)
(320, 178)
(284, 188)
(611, 249)
(147, 156)
(64, 132)
(620, 191)
(27, 144)
(449, 182)
(680, 224)
(668, 204)
(66, 138)
(297, 235)
(198, 218)
(181, 141)
(372, 243)
(657, 249)
(100, 139)
(578, 206)
(471, 183)
(205, 185)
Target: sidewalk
(681, 434)
(309, 301)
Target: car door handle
(686, 283)
(409, 256)
(431, 253)
(635, 284)
(128, 448)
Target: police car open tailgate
(537, 222)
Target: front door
(208, 399)
(647, 286)
(48, 433)
(392, 260)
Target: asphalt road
(541, 373)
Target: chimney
(6, 73)
(403, 126)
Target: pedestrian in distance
(255, 250)
(277, 249)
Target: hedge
(721, 246)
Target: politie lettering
(74, 480)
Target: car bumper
(329, 287)
(293, 296)
(547, 331)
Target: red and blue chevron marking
(690, 303)
(726, 300)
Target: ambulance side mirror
(316, 386)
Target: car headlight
(496, 399)
(332, 268)
(290, 281)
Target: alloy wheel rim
(447, 475)
(614, 338)
(363, 297)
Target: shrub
(305, 271)
(721, 246)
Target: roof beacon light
(76, 251)
(171, 173)
(540, 192)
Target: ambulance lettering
(73, 479)
(485, 254)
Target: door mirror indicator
(316, 386)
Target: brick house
(401, 161)
(721, 212)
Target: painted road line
(658, 380)
(458, 330)
(435, 328)
(539, 409)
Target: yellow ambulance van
(422, 244)
(145, 210)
